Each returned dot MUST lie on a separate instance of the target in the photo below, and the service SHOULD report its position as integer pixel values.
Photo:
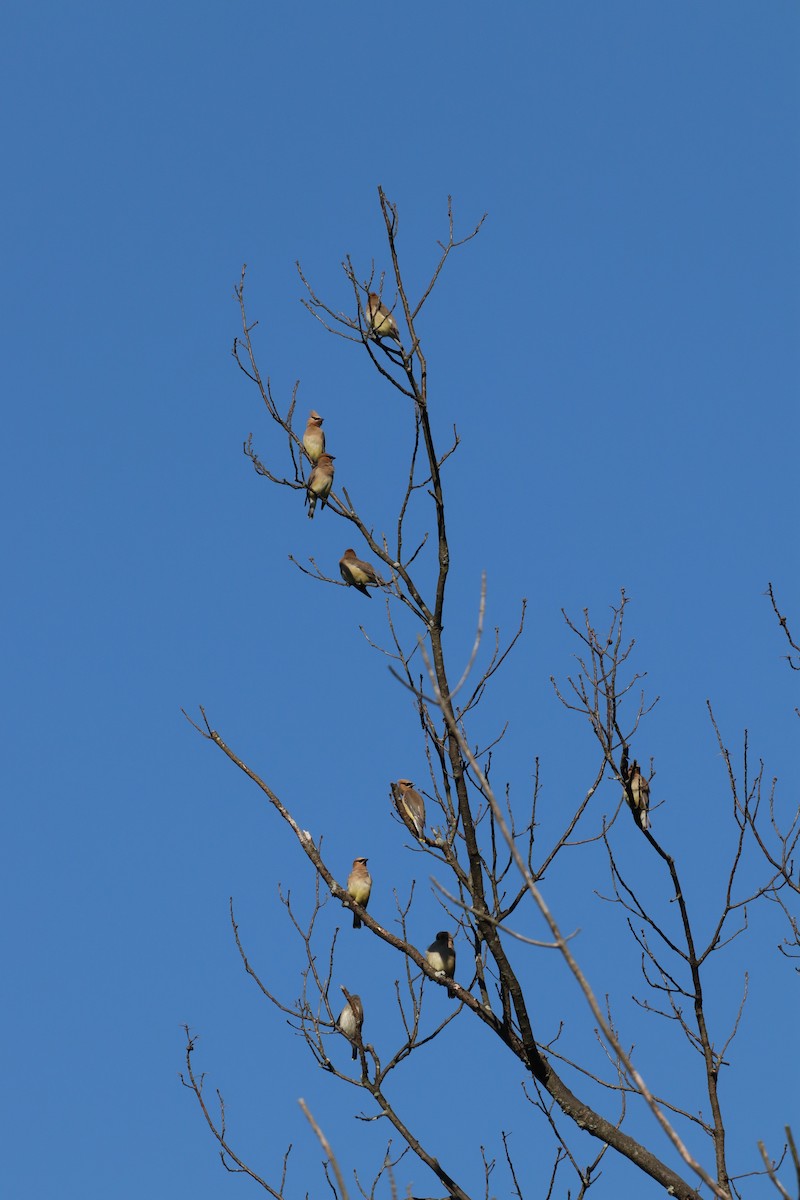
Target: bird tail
(355, 1053)
(356, 921)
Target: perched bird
(381, 321)
(350, 1020)
(410, 806)
(359, 574)
(320, 482)
(637, 793)
(441, 956)
(359, 885)
(314, 438)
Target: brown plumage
(410, 806)
(441, 956)
(637, 793)
(359, 885)
(314, 438)
(320, 482)
(358, 574)
(350, 1020)
(380, 320)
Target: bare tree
(491, 861)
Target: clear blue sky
(619, 351)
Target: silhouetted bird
(441, 956)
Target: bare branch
(326, 1146)
(195, 1084)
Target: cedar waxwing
(380, 320)
(314, 438)
(351, 1018)
(410, 806)
(358, 574)
(639, 798)
(441, 956)
(359, 885)
(320, 482)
